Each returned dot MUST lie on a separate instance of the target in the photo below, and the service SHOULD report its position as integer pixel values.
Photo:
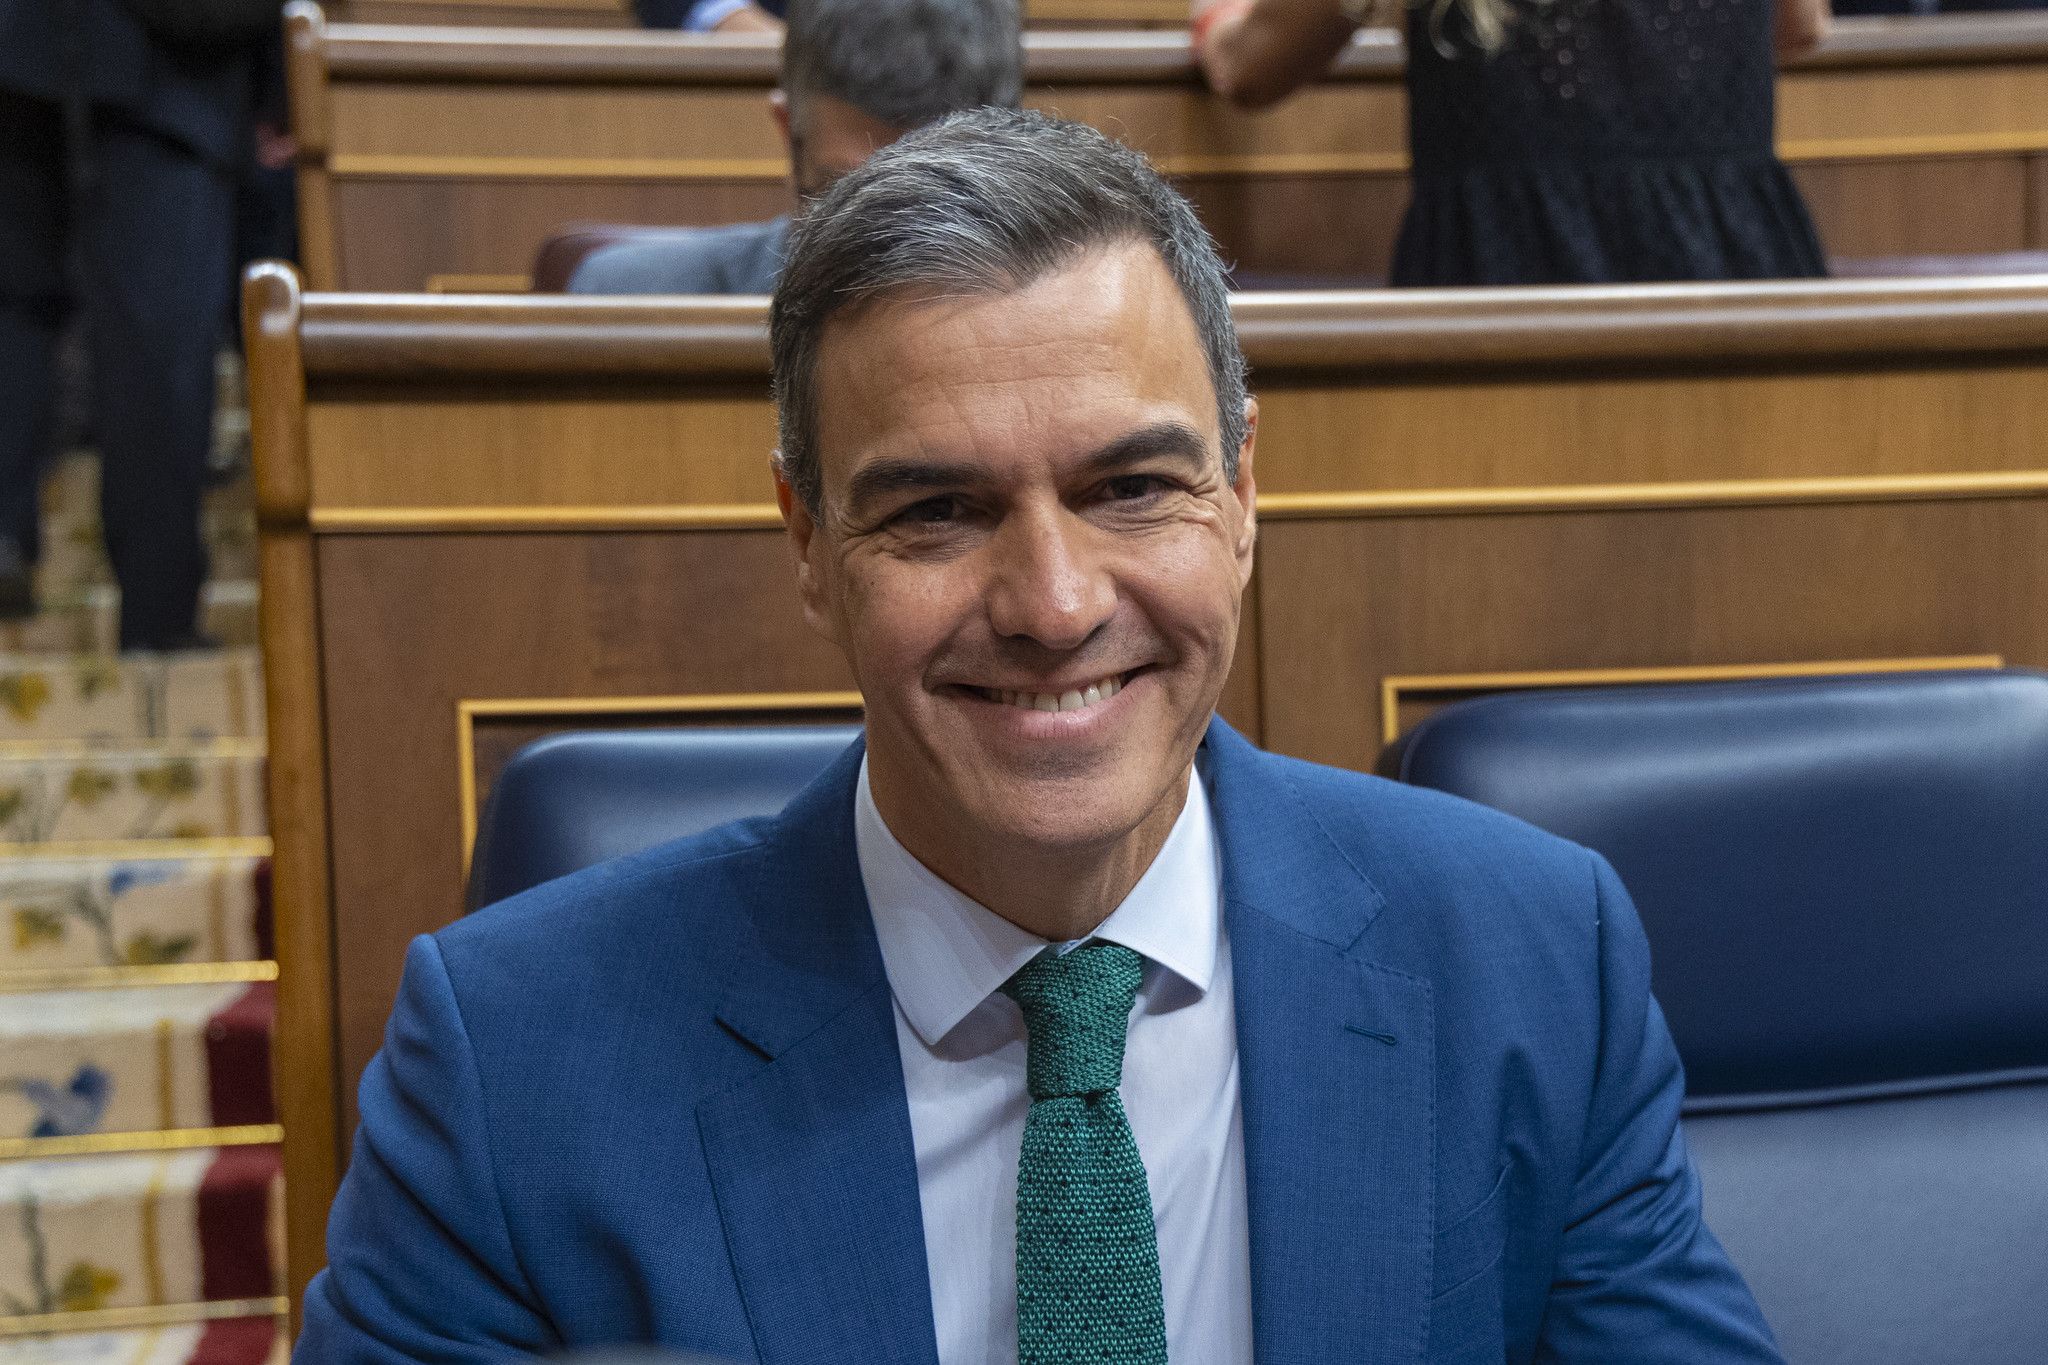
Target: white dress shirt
(963, 1046)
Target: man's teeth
(1061, 701)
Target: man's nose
(1049, 583)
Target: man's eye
(930, 512)
(1131, 487)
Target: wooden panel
(1506, 431)
(1931, 109)
(1895, 206)
(1631, 589)
(462, 227)
(600, 449)
(2037, 202)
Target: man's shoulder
(737, 258)
(1393, 832)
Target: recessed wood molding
(1396, 689)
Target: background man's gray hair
(983, 202)
(905, 62)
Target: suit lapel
(1336, 1058)
(811, 1159)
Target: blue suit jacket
(660, 1101)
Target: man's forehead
(1079, 292)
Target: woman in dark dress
(1565, 141)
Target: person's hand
(1213, 29)
(1797, 26)
(748, 19)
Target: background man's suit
(661, 1100)
(739, 258)
(155, 232)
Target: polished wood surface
(438, 156)
(484, 519)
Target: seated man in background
(1054, 1022)
(856, 75)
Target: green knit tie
(1087, 1256)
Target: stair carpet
(140, 1183)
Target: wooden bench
(486, 519)
(439, 159)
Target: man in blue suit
(1055, 1022)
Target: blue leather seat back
(571, 800)
(1845, 886)
(1845, 880)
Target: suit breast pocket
(1465, 1307)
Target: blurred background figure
(856, 75)
(1564, 141)
(712, 16)
(123, 129)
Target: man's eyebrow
(888, 476)
(880, 478)
(1169, 438)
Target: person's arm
(1257, 52)
(729, 16)
(1639, 1276)
(420, 1262)
(1799, 25)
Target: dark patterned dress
(1607, 140)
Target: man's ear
(1246, 490)
(778, 109)
(804, 539)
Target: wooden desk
(484, 519)
(441, 158)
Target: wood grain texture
(1343, 604)
(1900, 206)
(306, 1078)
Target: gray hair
(983, 203)
(905, 62)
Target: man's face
(827, 138)
(1029, 551)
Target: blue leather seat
(1845, 885)
(571, 800)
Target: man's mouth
(1070, 699)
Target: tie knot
(1077, 1008)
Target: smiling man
(1055, 1022)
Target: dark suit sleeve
(1639, 1277)
(420, 1262)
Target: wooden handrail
(1392, 332)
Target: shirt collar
(945, 953)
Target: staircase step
(87, 1234)
(107, 698)
(61, 914)
(135, 1060)
(87, 620)
(232, 1341)
(157, 792)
